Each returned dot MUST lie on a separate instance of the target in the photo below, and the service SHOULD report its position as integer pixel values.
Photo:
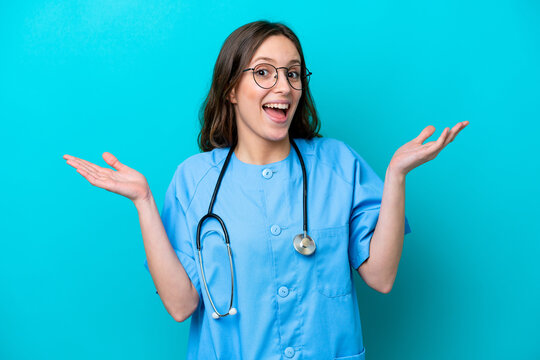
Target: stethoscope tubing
(304, 178)
(210, 214)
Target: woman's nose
(282, 82)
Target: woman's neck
(262, 152)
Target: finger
(112, 160)
(439, 144)
(92, 179)
(433, 148)
(74, 162)
(455, 130)
(452, 134)
(426, 133)
(80, 164)
(98, 170)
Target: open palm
(415, 153)
(124, 181)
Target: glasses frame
(302, 77)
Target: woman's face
(255, 118)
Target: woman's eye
(294, 74)
(262, 72)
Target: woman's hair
(217, 117)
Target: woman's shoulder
(335, 156)
(203, 161)
(328, 149)
(196, 167)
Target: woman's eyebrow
(270, 59)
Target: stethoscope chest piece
(304, 244)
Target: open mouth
(276, 111)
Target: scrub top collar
(251, 175)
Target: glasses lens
(294, 75)
(265, 75)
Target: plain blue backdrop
(128, 77)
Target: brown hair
(217, 117)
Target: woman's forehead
(277, 50)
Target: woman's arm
(174, 286)
(171, 280)
(380, 269)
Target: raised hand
(124, 181)
(414, 153)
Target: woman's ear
(232, 97)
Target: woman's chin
(278, 130)
(277, 135)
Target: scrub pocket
(332, 261)
(360, 356)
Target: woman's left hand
(414, 153)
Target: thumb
(111, 160)
(426, 133)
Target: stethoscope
(303, 243)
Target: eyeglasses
(266, 75)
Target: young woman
(267, 275)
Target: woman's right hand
(124, 181)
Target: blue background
(84, 77)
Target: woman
(286, 291)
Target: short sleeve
(174, 221)
(367, 197)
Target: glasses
(266, 75)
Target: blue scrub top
(290, 306)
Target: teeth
(277, 106)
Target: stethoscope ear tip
(232, 311)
